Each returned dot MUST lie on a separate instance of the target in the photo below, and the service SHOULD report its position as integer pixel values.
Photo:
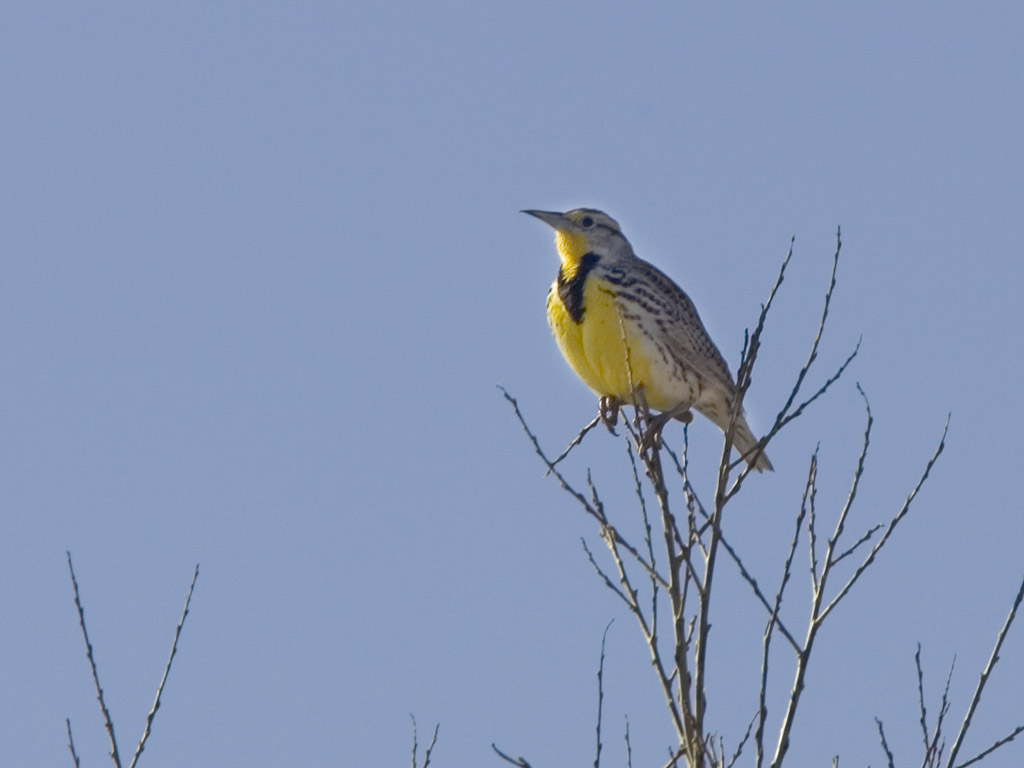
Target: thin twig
(584, 502)
(604, 577)
(167, 670)
(934, 753)
(674, 757)
(762, 707)
(866, 537)
(890, 527)
(780, 419)
(430, 749)
(521, 762)
(71, 744)
(629, 747)
(114, 754)
(689, 725)
(985, 753)
(820, 391)
(415, 742)
(629, 597)
(976, 699)
(810, 494)
(932, 747)
(833, 540)
(600, 694)
(759, 594)
(784, 416)
(416, 745)
(648, 538)
(743, 742)
(920, 703)
(819, 614)
(787, 569)
(885, 744)
(744, 378)
(575, 441)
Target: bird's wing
(683, 331)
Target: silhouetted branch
(932, 742)
(596, 513)
(71, 744)
(885, 744)
(742, 743)
(818, 613)
(167, 671)
(976, 699)
(415, 744)
(114, 754)
(985, 753)
(891, 526)
(600, 694)
(573, 443)
(514, 760)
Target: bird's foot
(608, 411)
(652, 435)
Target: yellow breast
(608, 352)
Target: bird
(632, 335)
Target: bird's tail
(744, 441)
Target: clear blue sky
(263, 267)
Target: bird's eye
(587, 222)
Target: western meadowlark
(625, 328)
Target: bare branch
(810, 495)
(821, 391)
(885, 744)
(890, 527)
(748, 356)
(114, 755)
(415, 745)
(629, 747)
(759, 594)
(920, 700)
(600, 694)
(167, 670)
(830, 559)
(866, 537)
(781, 418)
(648, 534)
(596, 513)
(689, 724)
(743, 742)
(1005, 740)
(71, 744)
(673, 759)
(430, 749)
(976, 699)
(762, 706)
(521, 762)
(629, 597)
(575, 441)
(935, 750)
(607, 581)
(818, 615)
(776, 607)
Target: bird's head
(582, 231)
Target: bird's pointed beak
(557, 221)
